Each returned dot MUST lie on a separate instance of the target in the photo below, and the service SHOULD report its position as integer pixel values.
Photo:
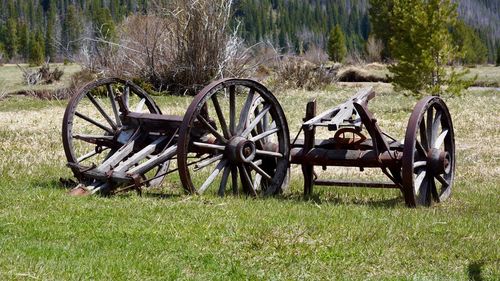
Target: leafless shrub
(42, 75)
(3, 89)
(181, 45)
(81, 78)
(374, 49)
(296, 72)
(46, 94)
(316, 55)
(354, 58)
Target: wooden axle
(345, 158)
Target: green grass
(11, 78)
(342, 234)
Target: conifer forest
(37, 30)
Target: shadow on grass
(370, 202)
(60, 183)
(319, 199)
(474, 270)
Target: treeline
(37, 30)
(294, 25)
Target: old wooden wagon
(234, 137)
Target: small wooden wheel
(93, 127)
(428, 166)
(239, 130)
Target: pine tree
(380, 20)
(498, 55)
(23, 40)
(36, 56)
(422, 46)
(49, 31)
(104, 26)
(337, 45)
(71, 30)
(11, 38)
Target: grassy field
(342, 234)
(11, 78)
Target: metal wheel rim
(422, 182)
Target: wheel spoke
(264, 134)
(435, 127)
(424, 194)
(101, 110)
(246, 180)
(440, 139)
(428, 126)
(220, 115)
(418, 181)
(212, 176)
(140, 105)
(423, 136)
(420, 148)
(234, 179)
(211, 129)
(269, 153)
(223, 183)
(419, 164)
(90, 154)
(245, 111)
(433, 189)
(256, 121)
(112, 98)
(92, 121)
(209, 145)
(232, 110)
(443, 181)
(126, 97)
(207, 162)
(93, 139)
(257, 181)
(260, 171)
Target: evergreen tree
(49, 32)
(23, 40)
(422, 45)
(498, 55)
(380, 19)
(71, 30)
(337, 45)
(36, 56)
(11, 38)
(104, 27)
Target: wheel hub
(439, 161)
(240, 150)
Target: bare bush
(354, 57)
(42, 75)
(374, 48)
(296, 72)
(316, 55)
(201, 42)
(180, 46)
(3, 89)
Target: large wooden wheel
(94, 128)
(429, 154)
(244, 141)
